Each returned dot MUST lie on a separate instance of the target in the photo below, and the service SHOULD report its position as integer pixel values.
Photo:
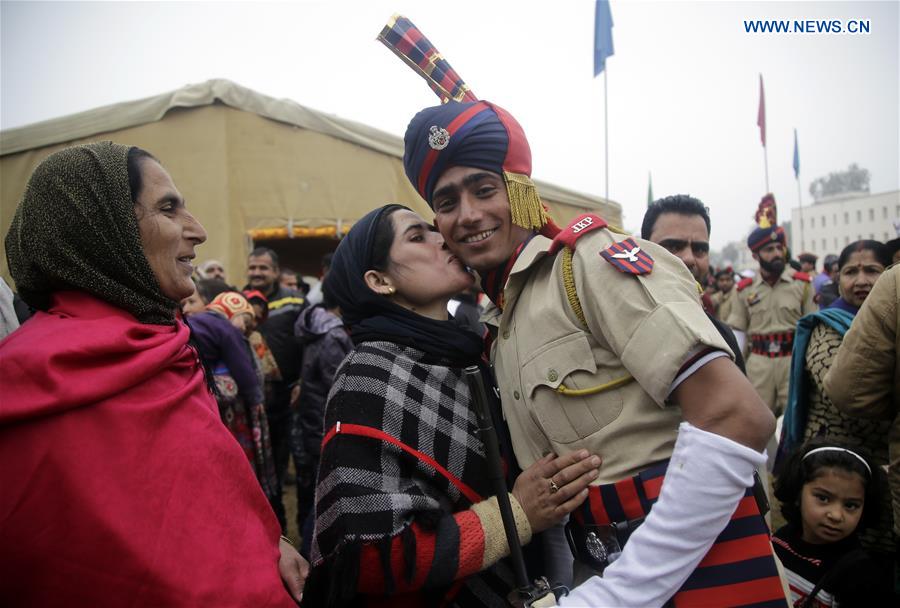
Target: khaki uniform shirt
(645, 325)
(724, 302)
(761, 308)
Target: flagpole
(606, 128)
(796, 165)
(800, 203)
(603, 48)
(761, 123)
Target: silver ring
(553, 487)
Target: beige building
(833, 223)
(253, 169)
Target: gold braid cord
(568, 392)
(568, 274)
(569, 285)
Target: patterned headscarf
(75, 228)
(475, 134)
(230, 304)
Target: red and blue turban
(475, 134)
(761, 237)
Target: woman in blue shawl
(810, 412)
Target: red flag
(761, 115)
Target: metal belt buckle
(602, 544)
(774, 347)
(595, 546)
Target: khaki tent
(254, 170)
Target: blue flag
(796, 157)
(603, 42)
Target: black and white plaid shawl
(393, 420)
(369, 488)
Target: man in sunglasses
(680, 224)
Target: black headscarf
(75, 228)
(373, 317)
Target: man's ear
(378, 282)
(755, 256)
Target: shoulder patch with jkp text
(580, 226)
(628, 257)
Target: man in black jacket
(278, 330)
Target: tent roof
(151, 109)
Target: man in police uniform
(601, 344)
(767, 308)
(724, 297)
(807, 263)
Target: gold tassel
(524, 203)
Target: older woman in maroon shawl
(120, 485)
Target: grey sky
(683, 84)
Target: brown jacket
(865, 377)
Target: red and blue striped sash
(739, 569)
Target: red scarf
(120, 485)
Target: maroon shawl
(120, 485)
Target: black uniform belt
(779, 344)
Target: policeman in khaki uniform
(724, 297)
(600, 343)
(766, 308)
(560, 365)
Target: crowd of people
(633, 393)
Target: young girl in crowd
(810, 411)
(828, 494)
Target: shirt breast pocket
(554, 379)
